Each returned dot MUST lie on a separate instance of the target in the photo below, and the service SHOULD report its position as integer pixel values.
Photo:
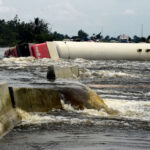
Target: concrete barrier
(65, 72)
(44, 100)
(36, 99)
(8, 115)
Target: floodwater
(124, 86)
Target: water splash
(130, 109)
(86, 73)
(42, 118)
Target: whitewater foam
(130, 109)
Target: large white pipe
(104, 51)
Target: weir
(36, 99)
(45, 99)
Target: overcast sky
(111, 17)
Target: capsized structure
(85, 50)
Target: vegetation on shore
(16, 31)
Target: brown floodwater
(124, 86)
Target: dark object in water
(22, 50)
(11, 52)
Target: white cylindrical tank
(104, 51)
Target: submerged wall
(99, 50)
(36, 99)
(63, 72)
(44, 100)
(8, 115)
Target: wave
(132, 115)
(85, 73)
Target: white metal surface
(104, 51)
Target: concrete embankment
(8, 115)
(45, 99)
(36, 99)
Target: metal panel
(40, 50)
(52, 50)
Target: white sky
(112, 17)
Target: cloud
(129, 12)
(1, 2)
(64, 11)
(5, 9)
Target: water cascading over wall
(8, 115)
(14, 99)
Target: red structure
(29, 49)
(12, 52)
(40, 50)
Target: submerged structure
(85, 50)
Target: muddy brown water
(124, 86)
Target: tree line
(15, 31)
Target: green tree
(99, 36)
(107, 38)
(82, 35)
(136, 39)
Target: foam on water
(23, 62)
(111, 74)
(32, 119)
(108, 72)
(127, 109)
(132, 110)
(86, 73)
